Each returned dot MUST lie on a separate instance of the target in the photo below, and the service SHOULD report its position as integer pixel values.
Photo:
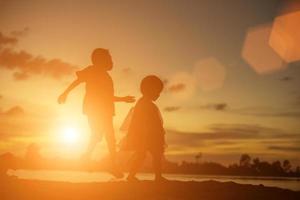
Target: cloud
(171, 108)
(177, 87)
(259, 111)
(286, 78)
(181, 85)
(229, 139)
(210, 106)
(285, 148)
(7, 40)
(24, 64)
(292, 114)
(20, 33)
(214, 106)
(13, 111)
(227, 132)
(266, 112)
(165, 81)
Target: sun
(70, 135)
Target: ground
(14, 189)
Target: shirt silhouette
(99, 96)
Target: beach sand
(15, 189)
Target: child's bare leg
(157, 165)
(137, 161)
(96, 130)
(92, 144)
(111, 143)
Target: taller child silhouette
(99, 102)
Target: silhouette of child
(145, 130)
(99, 102)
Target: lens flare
(258, 53)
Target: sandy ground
(15, 189)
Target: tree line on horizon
(246, 166)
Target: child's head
(151, 87)
(102, 58)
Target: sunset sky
(231, 70)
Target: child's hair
(103, 56)
(151, 83)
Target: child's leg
(110, 139)
(96, 135)
(91, 147)
(138, 158)
(157, 159)
(111, 143)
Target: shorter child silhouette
(145, 130)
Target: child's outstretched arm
(127, 99)
(63, 97)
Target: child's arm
(63, 97)
(127, 99)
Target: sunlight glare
(70, 135)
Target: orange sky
(228, 90)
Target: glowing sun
(70, 135)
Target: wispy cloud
(177, 87)
(7, 40)
(267, 112)
(20, 33)
(212, 106)
(208, 106)
(171, 108)
(230, 140)
(285, 148)
(24, 64)
(13, 111)
(286, 78)
(229, 132)
(258, 111)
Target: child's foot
(116, 173)
(132, 179)
(160, 179)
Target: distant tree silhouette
(276, 167)
(287, 166)
(245, 160)
(198, 156)
(255, 164)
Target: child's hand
(129, 99)
(62, 98)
